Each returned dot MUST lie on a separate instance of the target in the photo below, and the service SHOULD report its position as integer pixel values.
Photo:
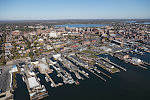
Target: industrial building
(106, 49)
(32, 82)
(136, 60)
(43, 68)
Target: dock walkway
(114, 64)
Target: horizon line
(76, 19)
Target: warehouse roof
(43, 66)
(32, 82)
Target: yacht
(46, 79)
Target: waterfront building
(136, 60)
(106, 49)
(43, 67)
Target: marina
(69, 70)
(71, 67)
(95, 85)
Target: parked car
(0, 91)
(0, 71)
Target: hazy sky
(73, 9)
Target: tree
(31, 54)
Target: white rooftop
(15, 69)
(32, 82)
(56, 56)
(105, 48)
(43, 66)
(32, 73)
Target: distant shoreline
(72, 21)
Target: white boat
(52, 85)
(23, 78)
(38, 79)
(87, 74)
(47, 80)
(58, 75)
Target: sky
(74, 9)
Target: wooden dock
(50, 79)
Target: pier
(142, 66)
(55, 85)
(36, 90)
(97, 75)
(80, 64)
(146, 63)
(83, 73)
(136, 64)
(128, 60)
(69, 66)
(50, 79)
(107, 66)
(75, 72)
(104, 74)
(114, 64)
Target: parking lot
(5, 80)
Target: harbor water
(130, 85)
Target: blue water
(82, 25)
(130, 21)
(146, 22)
(138, 23)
